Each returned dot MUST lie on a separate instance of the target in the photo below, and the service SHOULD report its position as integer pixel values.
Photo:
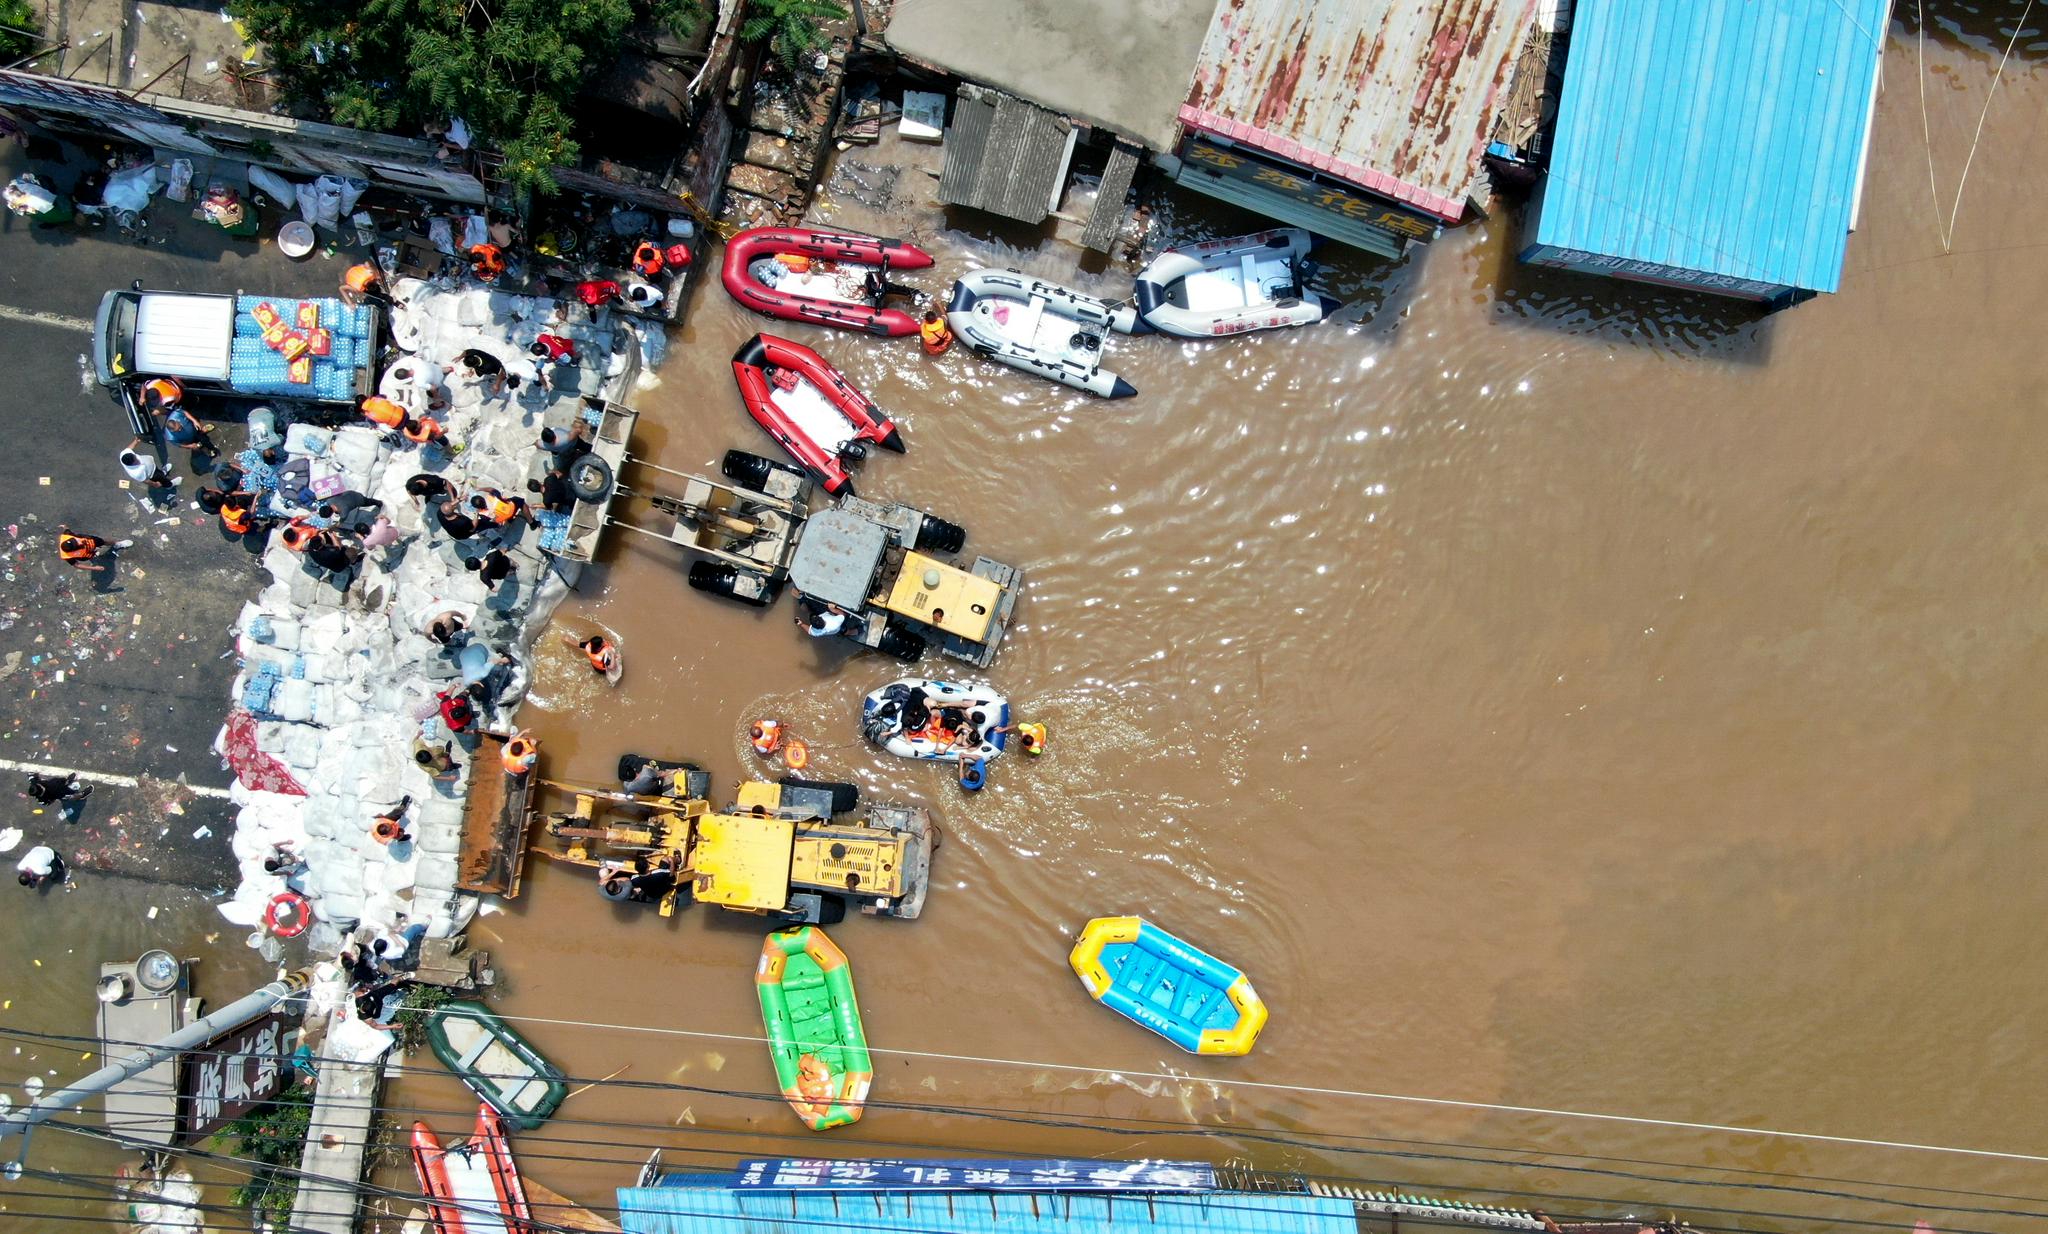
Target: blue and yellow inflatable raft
(1177, 990)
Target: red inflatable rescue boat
(473, 1188)
(828, 278)
(810, 408)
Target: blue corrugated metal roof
(1717, 135)
(670, 1209)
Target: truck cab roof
(163, 334)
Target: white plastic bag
(272, 185)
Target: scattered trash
(10, 838)
(43, 480)
(202, 833)
(152, 912)
(714, 1059)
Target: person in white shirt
(823, 622)
(40, 865)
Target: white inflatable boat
(1223, 287)
(908, 718)
(1040, 327)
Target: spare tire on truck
(936, 535)
(719, 579)
(590, 478)
(751, 470)
(902, 644)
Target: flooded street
(1552, 693)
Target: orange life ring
(796, 755)
(288, 915)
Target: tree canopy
(508, 68)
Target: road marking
(35, 317)
(103, 777)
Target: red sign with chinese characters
(233, 1074)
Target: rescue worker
(648, 260)
(363, 281)
(934, 333)
(596, 293)
(298, 534)
(493, 568)
(487, 262)
(602, 653)
(457, 712)
(160, 394)
(383, 413)
(520, 754)
(81, 552)
(500, 509)
(555, 495)
(181, 429)
(238, 515)
(765, 736)
(554, 349)
(425, 431)
(1030, 736)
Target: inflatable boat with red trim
(473, 1188)
(810, 407)
(828, 278)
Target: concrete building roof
(1122, 66)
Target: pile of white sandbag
(343, 684)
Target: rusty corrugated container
(1396, 96)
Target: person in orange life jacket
(520, 754)
(487, 262)
(160, 394)
(493, 568)
(598, 649)
(81, 552)
(648, 259)
(425, 431)
(363, 281)
(934, 334)
(383, 413)
(238, 515)
(500, 509)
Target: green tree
(21, 15)
(794, 28)
(508, 68)
(271, 1137)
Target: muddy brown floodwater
(1553, 694)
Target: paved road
(131, 680)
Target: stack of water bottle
(260, 368)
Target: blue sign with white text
(805, 1174)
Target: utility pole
(198, 1032)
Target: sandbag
(276, 187)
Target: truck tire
(751, 470)
(902, 644)
(590, 478)
(844, 796)
(936, 535)
(720, 579)
(831, 910)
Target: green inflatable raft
(815, 1037)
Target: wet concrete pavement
(126, 676)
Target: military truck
(883, 564)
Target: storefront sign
(798, 1174)
(1355, 204)
(231, 1075)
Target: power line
(1213, 1132)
